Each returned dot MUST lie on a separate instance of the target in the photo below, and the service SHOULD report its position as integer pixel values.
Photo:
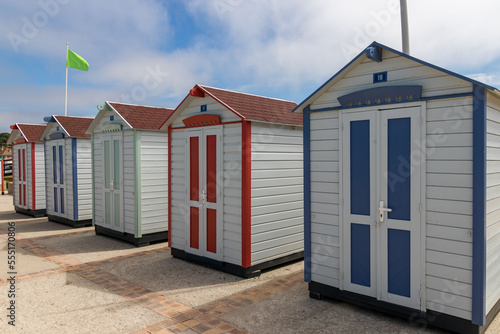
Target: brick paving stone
(177, 328)
(225, 327)
(213, 331)
(201, 328)
(182, 318)
(190, 323)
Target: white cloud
(283, 48)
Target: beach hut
(129, 160)
(28, 168)
(235, 178)
(402, 189)
(68, 172)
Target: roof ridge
(139, 105)
(249, 94)
(73, 116)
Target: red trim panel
(201, 120)
(24, 195)
(33, 180)
(246, 193)
(24, 164)
(169, 186)
(212, 168)
(20, 141)
(194, 227)
(212, 230)
(20, 167)
(194, 168)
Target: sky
(151, 52)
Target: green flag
(75, 61)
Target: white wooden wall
(277, 191)
(98, 180)
(128, 182)
(449, 207)
(401, 71)
(68, 180)
(84, 178)
(178, 190)
(492, 202)
(232, 193)
(154, 181)
(325, 238)
(40, 176)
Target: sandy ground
(72, 281)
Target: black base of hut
(33, 213)
(145, 240)
(69, 222)
(415, 317)
(253, 271)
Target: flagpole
(66, 94)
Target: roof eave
(329, 82)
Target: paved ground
(72, 281)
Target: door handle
(203, 197)
(382, 211)
(111, 185)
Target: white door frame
(22, 178)
(202, 203)
(56, 172)
(377, 117)
(113, 191)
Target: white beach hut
(129, 160)
(28, 168)
(68, 172)
(402, 191)
(235, 180)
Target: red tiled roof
(31, 132)
(140, 117)
(74, 126)
(257, 108)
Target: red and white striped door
(21, 165)
(204, 216)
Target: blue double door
(382, 163)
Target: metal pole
(66, 94)
(404, 27)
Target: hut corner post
(307, 194)
(479, 207)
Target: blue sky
(152, 52)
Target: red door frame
(246, 159)
(246, 194)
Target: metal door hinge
(420, 207)
(420, 292)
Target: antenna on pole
(404, 27)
